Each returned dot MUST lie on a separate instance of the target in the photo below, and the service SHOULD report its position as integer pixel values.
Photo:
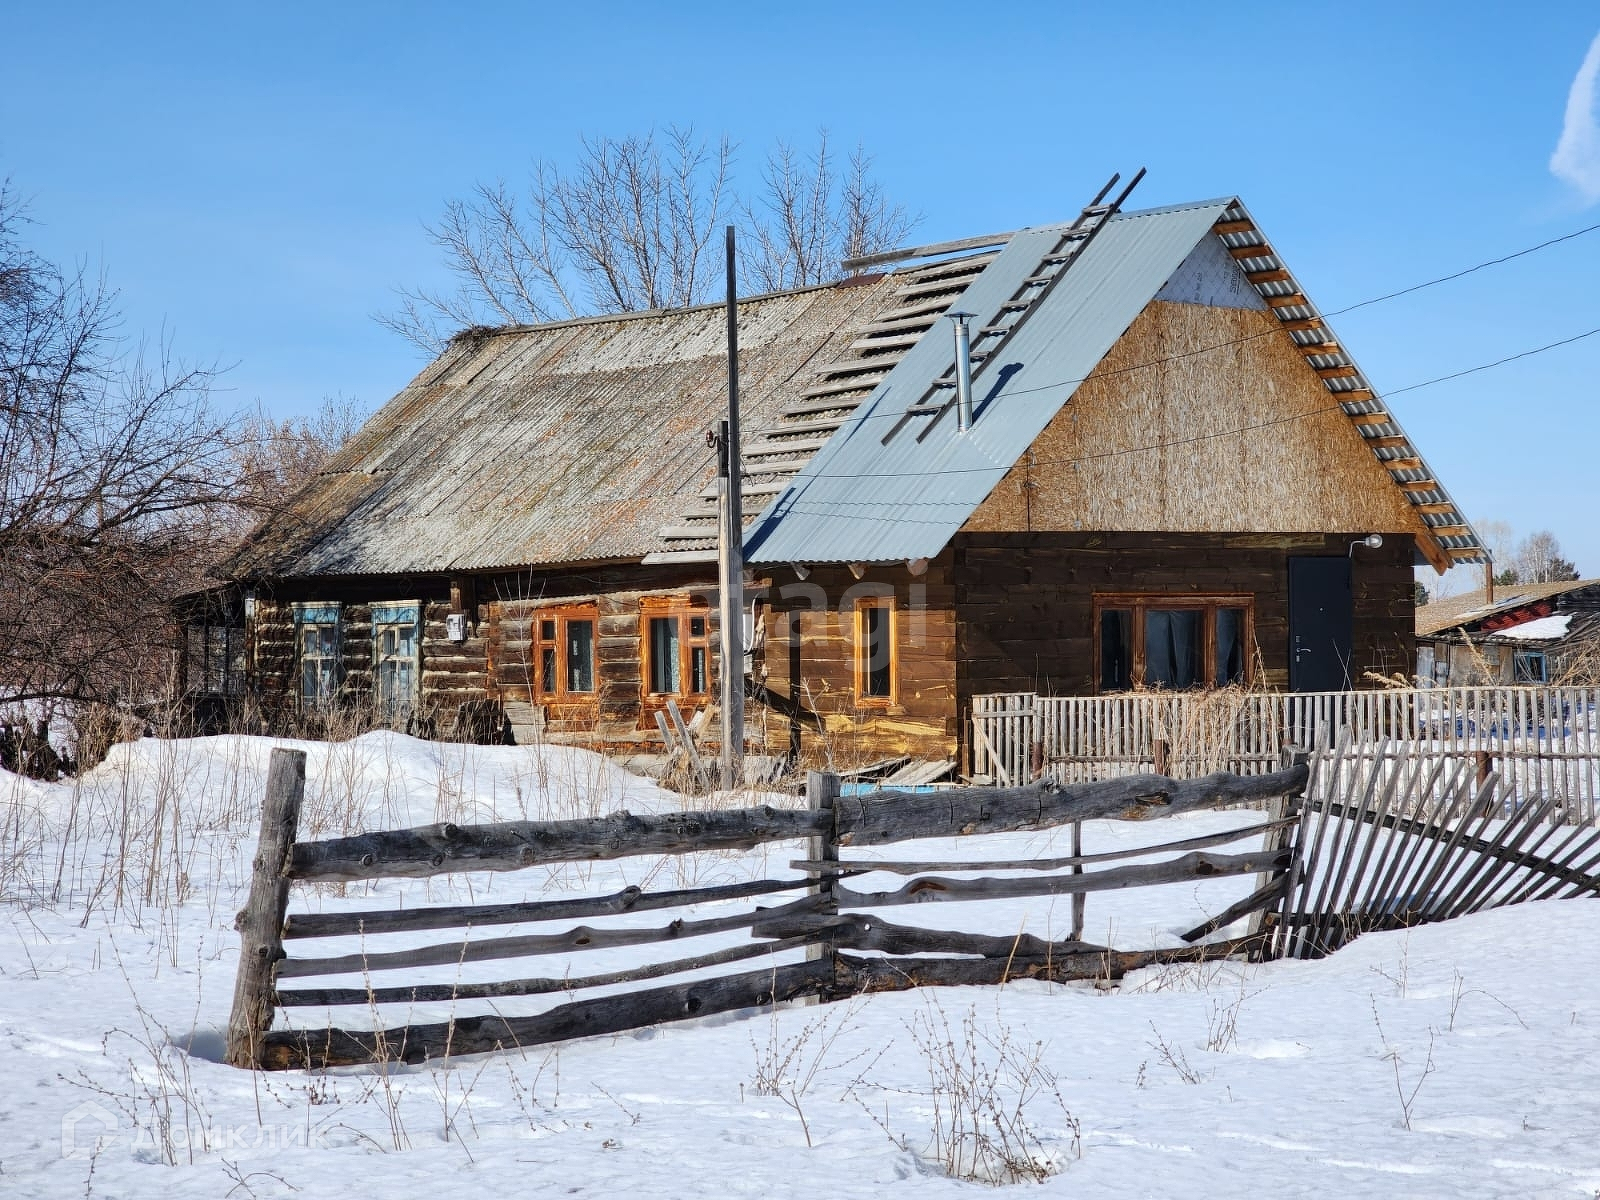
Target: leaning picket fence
(819, 942)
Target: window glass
(1173, 647)
(665, 667)
(1116, 649)
(876, 651)
(397, 667)
(580, 656)
(698, 682)
(1530, 666)
(319, 667)
(1230, 646)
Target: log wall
(1024, 601)
(808, 657)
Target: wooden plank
(1276, 275)
(874, 933)
(576, 940)
(1197, 865)
(863, 865)
(1293, 300)
(476, 916)
(1261, 251)
(318, 1049)
(927, 251)
(887, 816)
(1226, 227)
(260, 924)
(512, 845)
(860, 976)
(447, 993)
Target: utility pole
(730, 551)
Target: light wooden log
(1197, 865)
(260, 924)
(579, 938)
(316, 1049)
(629, 899)
(430, 993)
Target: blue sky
(254, 179)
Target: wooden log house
(1168, 474)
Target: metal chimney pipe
(963, 370)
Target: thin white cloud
(1577, 156)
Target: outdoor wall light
(1372, 541)
(800, 570)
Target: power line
(1267, 333)
(1300, 416)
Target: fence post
(260, 923)
(1279, 839)
(822, 795)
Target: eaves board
(866, 499)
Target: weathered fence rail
(1542, 740)
(820, 919)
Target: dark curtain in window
(1173, 647)
(1116, 649)
(580, 656)
(1230, 646)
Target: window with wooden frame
(562, 641)
(318, 648)
(874, 651)
(1174, 642)
(676, 651)
(396, 659)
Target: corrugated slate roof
(562, 443)
(864, 499)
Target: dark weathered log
(860, 975)
(260, 924)
(314, 1049)
(882, 818)
(512, 845)
(1267, 894)
(822, 795)
(859, 866)
(629, 899)
(1191, 866)
(891, 816)
(578, 938)
(874, 933)
(430, 993)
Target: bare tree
(628, 228)
(273, 459)
(112, 470)
(807, 219)
(1538, 560)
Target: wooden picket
(1543, 741)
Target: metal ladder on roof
(990, 338)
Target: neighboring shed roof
(1469, 608)
(569, 442)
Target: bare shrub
(986, 1090)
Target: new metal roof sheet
(861, 499)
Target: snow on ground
(1448, 1061)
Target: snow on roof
(1540, 630)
